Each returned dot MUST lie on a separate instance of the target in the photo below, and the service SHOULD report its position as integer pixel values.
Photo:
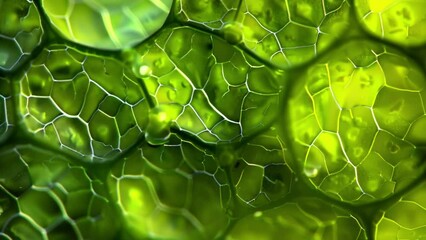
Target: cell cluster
(212, 119)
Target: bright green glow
(405, 218)
(107, 24)
(233, 32)
(398, 21)
(352, 142)
(237, 119)
(158, 128)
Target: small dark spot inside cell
(63, 70)
(209, 46)
(237, 164)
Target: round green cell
(351, 117)
(106, 24)
(197, 80)
(88, 105)
(399, 21)
(20, 32)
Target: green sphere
(352, 117)
(106, 24)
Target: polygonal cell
(6, 109)
(259, 170)
(42, 195)
(405, 219)
(353, 117)
(284, 33)
(306, 218)
(20, 32)
(174, 191)
(105, 24)
(398, 21)
(194, 81)
(88, 105)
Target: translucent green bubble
(158, 129)
(21, 32)
(397, 21)
(233, 32)
(107, 24)
(350, 119)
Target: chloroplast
(106, 24)
(351, 117)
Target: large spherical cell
(356, 118)
(107, 24)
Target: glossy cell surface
(399, 21)
(21, 32)
(212, 119)
(356, 118)
(284, 33)
(6, 109)
(193, 77)
(105, 24)
(38, 193)
(171, 192)
(405, 219)
(86, 105)
(259, 170)
(308, 218)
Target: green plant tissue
(213, 119)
